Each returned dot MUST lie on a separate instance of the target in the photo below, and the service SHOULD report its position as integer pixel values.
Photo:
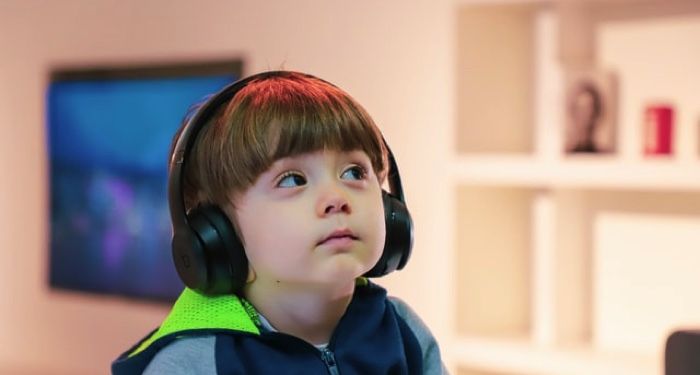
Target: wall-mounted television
(109, 131)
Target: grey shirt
(196, 354)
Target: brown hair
(273, 117)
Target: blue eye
(291, 179)
(354, 173)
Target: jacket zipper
(329, 360)
(327, 356)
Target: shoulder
(417, 325)
(186, 355)
(403, 309)
(432, 361)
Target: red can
(658, 130)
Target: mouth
(339, 235)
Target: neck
(308, 313)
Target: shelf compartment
(493, 261)
(644, 271)
(495, 60)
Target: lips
(338, 234)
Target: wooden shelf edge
(524, 357)
(585, 173)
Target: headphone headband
(188, 136)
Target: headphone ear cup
(399, 237)
(230, 262)
(217, 261)
(189, 258)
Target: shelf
(577, 172)
(523, 358)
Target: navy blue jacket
(371, 338)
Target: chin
(348, 269)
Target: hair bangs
(273, 118)
(332, 125)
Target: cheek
(375, 219)
(269, 233)
(381, 236)
(253, 226)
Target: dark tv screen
(109, 133)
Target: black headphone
(209, 256)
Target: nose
(332, 201)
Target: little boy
(294, 166)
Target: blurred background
(550, 152)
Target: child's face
(289, 217)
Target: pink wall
(392, 56)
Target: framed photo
(590, 113)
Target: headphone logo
(185, 260)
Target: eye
(355, 172)
(291, 179)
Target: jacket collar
(193, 311)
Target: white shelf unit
(569, 264)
